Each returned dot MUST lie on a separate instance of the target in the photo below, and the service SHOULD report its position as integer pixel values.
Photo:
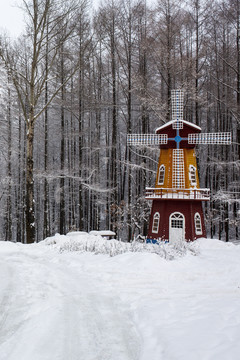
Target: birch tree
(44, 19)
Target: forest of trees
(76, 81)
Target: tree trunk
(29, 212)
(197, 5)
(238, 77)
(9, 171)
(62, 180)
(113, 162)
(46, 222)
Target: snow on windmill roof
(173, 121)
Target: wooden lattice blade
(224, 138)
(177, 97)
(147, 139)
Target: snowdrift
(60, 301)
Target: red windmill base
(180, 219)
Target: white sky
(11, 17)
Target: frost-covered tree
(49, 24)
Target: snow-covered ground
(66, 298)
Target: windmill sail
(177, 108)
(147, 139)
(223, 138)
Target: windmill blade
(177, 97)
(147, 139)
(224, 138)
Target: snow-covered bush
(98, 245)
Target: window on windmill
(177, 221)
(192, 175)
(155, 224)
(161, 175)
(198, 224)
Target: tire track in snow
(6, 290)
(64, 313)
(96, 324)
(12, 304)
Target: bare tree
(44, 19)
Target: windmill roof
(173, 121)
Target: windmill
(177, 197)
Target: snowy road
(134, 306)
(52, 309)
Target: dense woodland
(77, 81)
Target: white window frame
(177, 218)
(198, 224)
(161, 173)
(193, 177)
(155, 223)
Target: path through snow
(52, 309)
(134, 306)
